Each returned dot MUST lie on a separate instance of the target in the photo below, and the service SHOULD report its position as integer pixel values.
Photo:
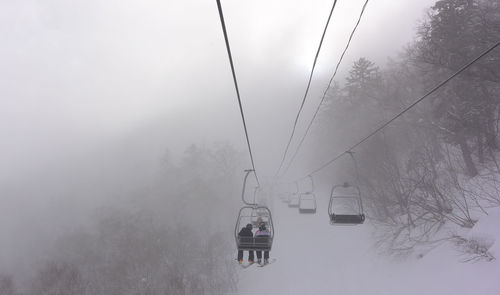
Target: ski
(271, 260)
(245, 266)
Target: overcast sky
(76, 76)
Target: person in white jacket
(262, 232)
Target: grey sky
(78, 75)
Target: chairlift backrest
(307, 203)
(293, 200)
(245, 216)
(352, 202)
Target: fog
(81, 75)
(96, 95)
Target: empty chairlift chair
(286, 198)
(288, 194)
(281, 190)
(293, 198)
(307, 203)
(307, 200)
(346, 207)
(254, 243)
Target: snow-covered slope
(314, 257)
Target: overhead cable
(435, 88)
(223, 24)
(326, 90)
(307, 90)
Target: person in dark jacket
(246, 232)
(263, 232)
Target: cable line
(327, 88)
(223, 24)
(463, 68)
(307, 90)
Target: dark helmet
(262, 226)
(249, 226)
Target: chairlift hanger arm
(331, 194)
(351, 153)
(312, 182)
(248, 171)
(255, 194)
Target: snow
(314, 257)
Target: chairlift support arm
(351, 153)
(312, 182)
(248, 171)
(331, 194)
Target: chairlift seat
(254, 243)
(307, 211)
(347, 218)
(263, 243)
(307, 203)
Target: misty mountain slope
(314, 257)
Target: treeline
(437, 164)
(167, 238)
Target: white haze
(93, 93)
(81, 74)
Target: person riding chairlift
(262, 232)
(259, 220)
(246, 232)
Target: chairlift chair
(307, 203)
(346, 209)
(281, 190)
(284, 197)
(293, 198)
(262, 243)
(245, 215)
(307, 200)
